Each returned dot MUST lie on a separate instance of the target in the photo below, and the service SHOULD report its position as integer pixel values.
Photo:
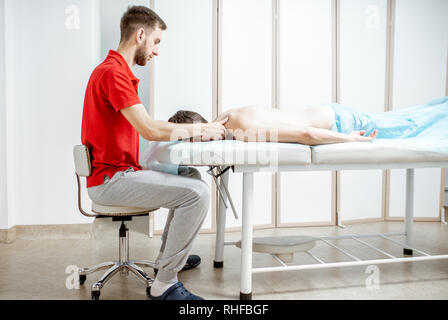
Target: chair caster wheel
(82, 278)
(95, 295)
(148, 291)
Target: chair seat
(117, 211)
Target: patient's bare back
(270, 118)
(311, 126)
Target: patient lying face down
(186, 116)
(311, 126)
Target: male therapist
(113, 118)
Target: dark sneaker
(176, 292)
(192, 262)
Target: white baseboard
(8, 235)
(54, 231)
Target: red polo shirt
(112, 140)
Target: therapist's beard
(141, 55)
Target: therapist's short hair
(137, 17)
(186, 116)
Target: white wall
(44, 69)
(3, 195)
(48, 69)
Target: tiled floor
(36, 269)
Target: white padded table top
(233, 152)
(259, 155)
(378, 151)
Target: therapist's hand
(213, 130)
(359, 135)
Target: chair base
(114, 268)
(124, 265)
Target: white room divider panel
(362, 86)
(421, 44)
(183, 69)
(246, 79)
(305, 80)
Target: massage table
(249, 158)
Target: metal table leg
(246, 237)
(409, 210)
(220, 225)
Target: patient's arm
(250, 131)
(324, 136)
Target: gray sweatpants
(187, 197)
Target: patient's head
(186, 116)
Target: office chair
(124, 265)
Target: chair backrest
(83, 169)
(81, 157)
(82, 160)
